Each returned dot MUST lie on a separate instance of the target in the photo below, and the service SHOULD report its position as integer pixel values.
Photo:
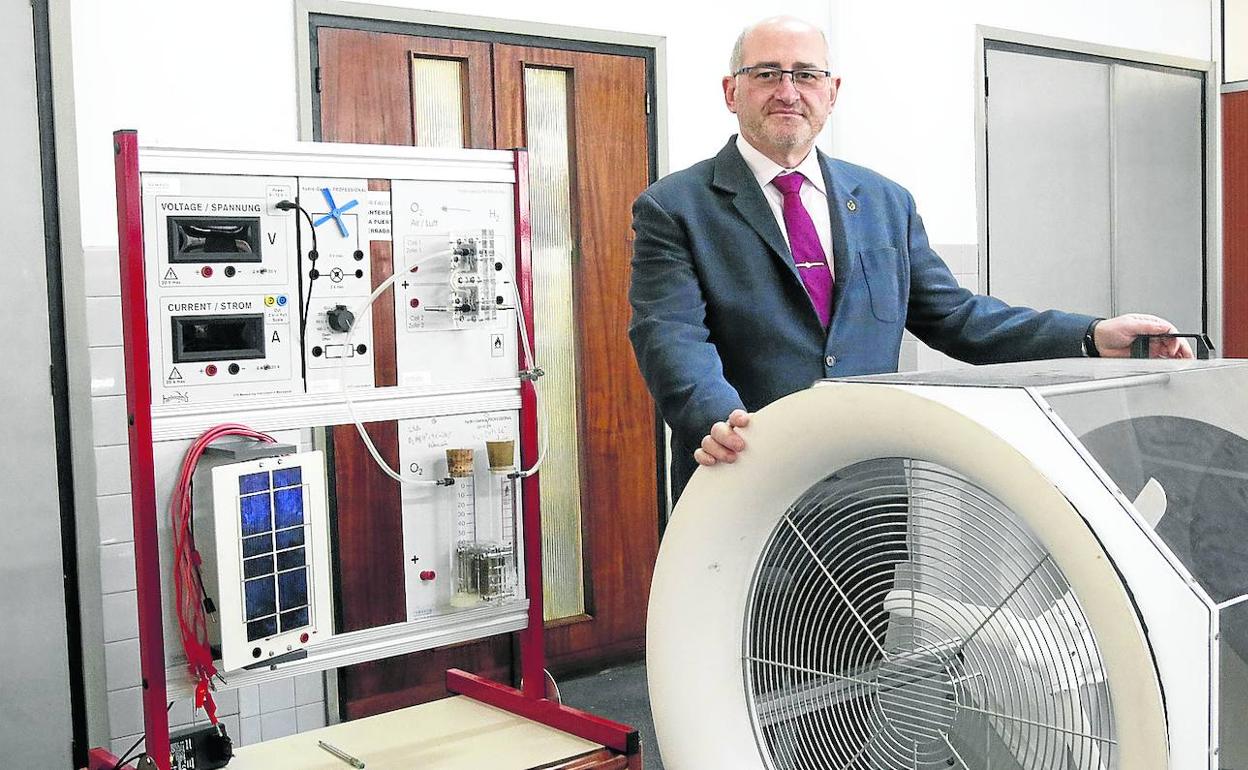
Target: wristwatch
(1089, 340)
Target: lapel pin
(851, 204)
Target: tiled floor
(618, 693)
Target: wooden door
(365, 86)
(1235, 224)
(609, 162)
(366, 95)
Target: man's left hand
(1113, 337)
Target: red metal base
(103, 759)
(613, 735)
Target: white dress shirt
(814, 193)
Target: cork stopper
(502, 454)
(459, 462)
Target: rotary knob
(340, 318)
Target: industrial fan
(927, 572)
(938, 627)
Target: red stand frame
(142, 463)
(530, 701)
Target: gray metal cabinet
(1095, 185)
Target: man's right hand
(724, 441)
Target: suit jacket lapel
(733, 176)
(843, 210)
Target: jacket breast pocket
(881, 267)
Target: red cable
(188, 594)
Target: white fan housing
(1023, 567)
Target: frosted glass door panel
(1159, 195)
(438, 102)
(550, 166)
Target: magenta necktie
(808, 256)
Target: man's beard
(787, 138)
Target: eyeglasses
(774, 76)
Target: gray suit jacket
(722, 321)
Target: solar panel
(270, 515)
(275, 580)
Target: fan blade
(1039, 727)
(1061, 632)
(1083, 746)
(1151, 502)
(802, 699)
(1050, 668)
(962, 619)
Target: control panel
(221, 285)
(455, 307)
(217, 232)
(336, 282)
(221, 347)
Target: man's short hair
(735, 62)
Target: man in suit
(772, 265)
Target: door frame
(310, 15)
(57, 611)
(994, 38)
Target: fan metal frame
(956, 611)
(706, 563)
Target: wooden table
(454, 733)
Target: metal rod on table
(344, 756)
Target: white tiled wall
(963, 261)
(116, 522)
(250, 714)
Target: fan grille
(902, 617)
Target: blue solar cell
(253, 568)
(253, 482)
(289, 538)
(293, 588)
(290, 559)
(259, 629)
(254, 546)
(294, 619)
(289, 505)
(288, 477)
(274, 569)
(256, 510)
(260, 598)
